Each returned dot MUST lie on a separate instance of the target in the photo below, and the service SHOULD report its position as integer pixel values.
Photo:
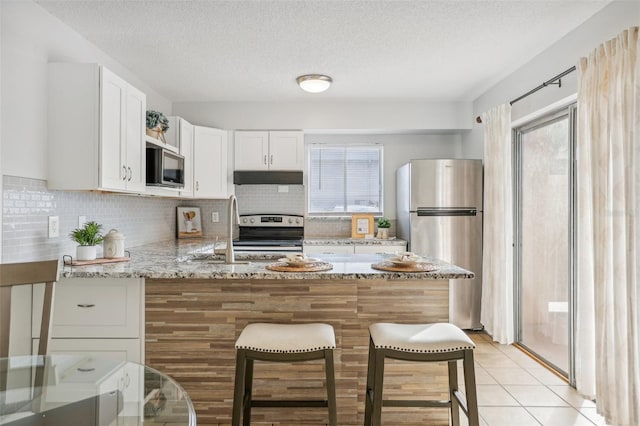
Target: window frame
(346, 146)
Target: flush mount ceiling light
(314, 83)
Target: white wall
(345, 115)
(30, 38)
(398, 150)
(603, 26)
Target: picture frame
(361, 225)
(189, 222)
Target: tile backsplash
(27, 204)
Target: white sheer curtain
(608, 183)
(497, 262)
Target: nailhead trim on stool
(282, 343)
(421, 343)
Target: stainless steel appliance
(164, 167)
(439, 212)
(270, 233)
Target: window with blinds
(345, 179)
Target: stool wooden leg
(470, 386)
(331, 387)
(453, 387)
(378, 383)
(238, 392)
(248, 392)
(368, 397)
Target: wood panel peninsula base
(192, 326)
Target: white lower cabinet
(95, 316)
(378, 249)
(353, 248)
(85, 377)
(328, 249)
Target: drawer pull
(86, 370)
(86, 305)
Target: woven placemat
(313, 267)
(416, 267)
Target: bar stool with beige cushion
(422, 343)
(282, 343)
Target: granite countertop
(354, 241)
(194, 259)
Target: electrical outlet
(54, 226)
(81, 221)
(215, 217)
(283, 188)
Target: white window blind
(345, 179)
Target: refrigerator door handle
(447, 211)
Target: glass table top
(84, 390)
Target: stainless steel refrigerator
(439, 212)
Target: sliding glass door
(544, 238)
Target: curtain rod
(554, 80)
(545, 84)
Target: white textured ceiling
(253, 50)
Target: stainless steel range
(270, 233)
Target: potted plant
(87, 237)
(383, 228)
(157, 125)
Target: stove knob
(290, 220)
(297, 220)
(252, 220)
(244, 220)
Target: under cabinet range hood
(251, 177)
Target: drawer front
(117, 350)
(329, 249)
(379, 249)
(100, 307)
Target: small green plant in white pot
(87, 237)
(383, 228)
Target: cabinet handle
(130, 173)
(86, 305)
(265, 159)
(271, 158)
(197, 185)
(124, 172)
(86, 370)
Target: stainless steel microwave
(164, 168)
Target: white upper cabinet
(261, 150)
(96, 130)
(210, 163)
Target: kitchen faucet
(233, 202)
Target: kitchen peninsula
(195, 308)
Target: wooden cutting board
(313, 267)
(416, 267)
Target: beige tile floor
(515, 390)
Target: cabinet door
(251, 149)
(113, 93)
(328, 249)
(210, 162)
(135, 124)
(185, 132)
(286, 150)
